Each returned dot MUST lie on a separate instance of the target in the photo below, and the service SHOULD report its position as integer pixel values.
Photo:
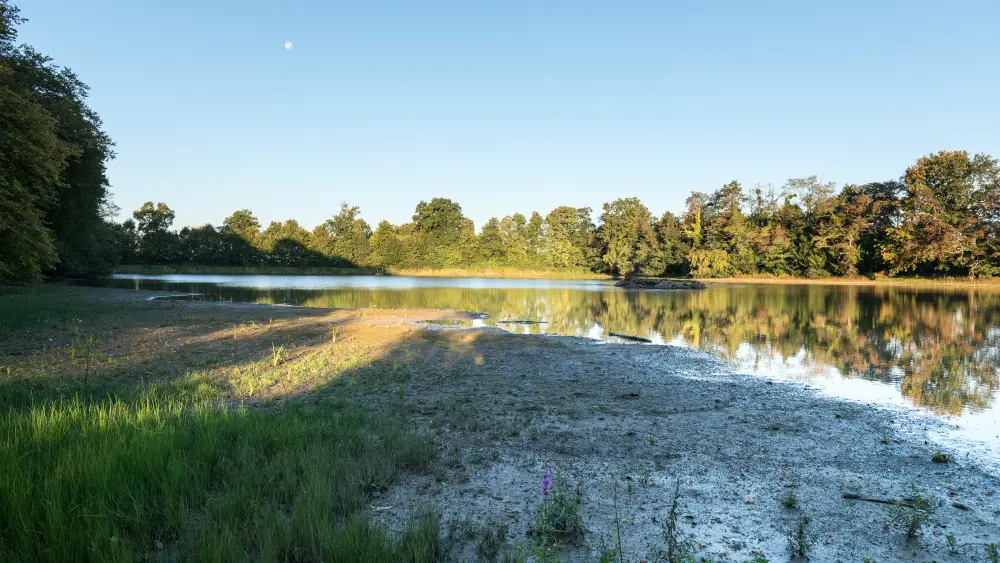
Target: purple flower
(546, 483)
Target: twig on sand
(632, 338)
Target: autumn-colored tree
(946, 216)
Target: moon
(288, 45)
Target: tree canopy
(54, 192)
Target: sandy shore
(641, 418)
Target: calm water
(934, 349)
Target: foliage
(558, 519)
(799, 544)
(944, 219)
(54, 195)
(913, 512)
(140, 467)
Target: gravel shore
(630, 422)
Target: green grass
(154, 477)
(42, 307)
(243, 270)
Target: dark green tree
(627, 235)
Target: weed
(677, 549)
(491, 541)
(618, 532)
(799, 544)
(940, 457)
(277, 355)
(912, 513)
(993, 553)
(558, 519)
(789, 500)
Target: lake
(936, 349)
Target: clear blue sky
(516, 105)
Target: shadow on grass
(137, 459)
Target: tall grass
(156, 478)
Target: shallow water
(936, 349)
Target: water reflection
(938, 348)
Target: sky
(515, 105)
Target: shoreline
(498, 272)
(906, 282)
(628, 422)
(543, 273)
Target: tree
(345, 236)
(692, 223)
(946, 216)
(26, 179)
(441, 220)
(289, 244)
(627, 234)
(157, 245)
(673, 247)
(514, 234)
(491, 243)
(53, 190)
(565, 237)
(386, 248)
(841, 224)
(243, 224)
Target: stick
(852, 496)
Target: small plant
(491, 542)
(789, 500)
(617, 552)
(333, 338)
(558, 519)
(885, 437)
(912, 513)
(953, 545)
(677, 549)
(993, 553)
(277, 355)
(941, 457)
(799, 544)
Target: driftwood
(632, 338)
(902, 502)
(521, 322)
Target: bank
(445, 433)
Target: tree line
(941, 217)
(54, 198)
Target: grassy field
(240, 270)
(155, 431)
